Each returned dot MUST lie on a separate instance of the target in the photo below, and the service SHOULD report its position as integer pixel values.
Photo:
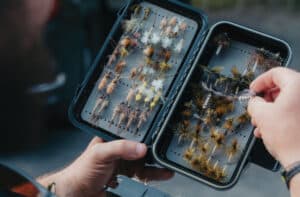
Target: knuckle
(122, 145)
(95, 149)
(92, 153)
(280, 70)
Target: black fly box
(164, 79)
(134, 72)
(209, 104)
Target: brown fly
(104, 81)
(189, 154)
(228, 125)
(113, 57)
(143, 117)
(131, 94)
(116, 112)
(120, 66)
(173, 21)
(136, 9)
(195, 135)
(244, 118)
(149, 51)
(96, 108)
(219, 142)
(183, 130)
(123, 115)
(147, 12)
(133, 115)
(165, 55)
(112, 86)
(233, 149)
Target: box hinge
(162, 118)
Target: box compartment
(167, 150)
(82, 107)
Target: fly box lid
(163, 78)
(133, 74)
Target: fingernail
(140, 149)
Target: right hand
(277, 115)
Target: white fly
(155, 39)
(131, 25)
(158, 84)
(146, 36)
(166, 42)
(179, 46)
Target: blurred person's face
(24, 62)
(37, 15)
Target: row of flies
(124, 114)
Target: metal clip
(245, 96)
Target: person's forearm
(295, 186)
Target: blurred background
(75, 36)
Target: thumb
(95, 140)
(258, 108)
(122, 149)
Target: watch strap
(290, 173)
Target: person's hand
(277, 115)
(97, 167)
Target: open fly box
(164, 78)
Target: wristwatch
(289, 173)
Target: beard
(24, 62)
